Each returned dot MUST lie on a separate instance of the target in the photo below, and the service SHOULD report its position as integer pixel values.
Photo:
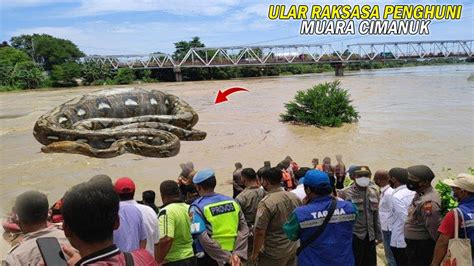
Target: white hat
(463, 181)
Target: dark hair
(90, 211)
(272, 175)
(261, 170)
(400, 174)
(301, 172)
(32, 207)
(238, 165)
(209, 183)
(149, 196)
(126, 196)
(248, 173)
(320, 190)
(101, 179)
(169, 188)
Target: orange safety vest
(286, 178)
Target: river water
(417, 115)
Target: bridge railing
(291, 54)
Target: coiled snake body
(111, 122)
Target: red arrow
(222, 96)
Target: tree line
(41, 60)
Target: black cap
(423, 172)
(362, 171)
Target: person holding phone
(91, 214)
(31, 208)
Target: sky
(106, 27)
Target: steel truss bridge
(266, 55)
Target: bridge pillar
(339, 68)
(177, 74)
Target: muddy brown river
(419, 115)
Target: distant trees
(47, 50)
(65, 74)
(41, 60)
(17, 70)
(183, 47)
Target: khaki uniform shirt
(424, 216)
(367, 203)
(273, 211)
(248, 201)
(27, 252)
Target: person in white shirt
(299, 176)
(148, 215)
(150, 220)
(401, 200)
(381, 179)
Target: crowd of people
(282, 215)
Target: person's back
(150, 222)
(279, 205)
(248, 200)
(174, 222)
(131, 234)
(91, 214)
(32, 210)
(333, 246)
(131, 230)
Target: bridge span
(265, 55)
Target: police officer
(421, 227)
(271, 247)
(463, 189)
(330, 247)
(367, 231)
(218, 224)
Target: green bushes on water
(325, 104)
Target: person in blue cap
(218, 224)
(324, 225)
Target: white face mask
(362, 181)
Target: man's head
(419, 177)
(90, 214)
(102, 180)
(316, 183)
(299, 174)
(339, 158)
(285, 163)
(31, 208)
(381, 178)
(148, 196)
(169, 191)
(362, 176)
(398, 176)
(125, 188)
(249, 177)
(271, 178)
(463, 186)
(315, 162)
(260, 172)
(351, 171)
(238, 166)
(327, 160)
(205, 181)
